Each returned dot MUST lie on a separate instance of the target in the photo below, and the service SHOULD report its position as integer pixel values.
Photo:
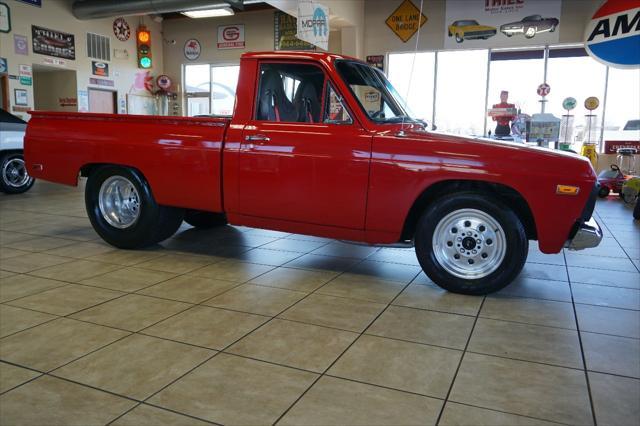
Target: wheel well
(507, 195)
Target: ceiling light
(209, 13)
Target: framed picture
(20, 97)
(5, 18)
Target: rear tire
(14, 178)
(471, 244)
(204, 220)
(636, 210)
(603, 192)
(124, 213)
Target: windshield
(376, 96)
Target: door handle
(257, 138)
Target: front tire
(603, 192)
(14, 178)
(471, 244)
(459, 38)
(124, 213)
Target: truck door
(302, 157)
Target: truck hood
(485, 156)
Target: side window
(290, 93)
(335, 112)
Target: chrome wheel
(119, 202)
(14, 173)
(469, 244)
(530, 33)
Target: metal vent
(98, 47)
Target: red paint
(355, 182)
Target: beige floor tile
(236, 391)
(55, 343)
(189, 288)
(5, 274)
(51, 401)
(600, 319)
(14, 319)
(334, 401)
(82, 250)
(387, 271)
(294, 344)
(132, 312)
(362, 287)
(176, 263)
(427, 370)
(66, 300)
(40, 244)
(538, 289)
(256, 299)
(545, 392)
(530, 311)
(136, 366)
(127, 257)
(232, 270)
(316, 262)
(615, 399)
(612, 354)
(32, 261)
(464, 415)
(146, 415)
(128, 279)
(18, 286)
(12, 376)
(209, 327)
(9, 237)
(294, 279)
(418, 325)
(527, 342)
(337, 312)
(265, 256)
(7, 253)
(612, 297)
(435, 299)
(75, 271)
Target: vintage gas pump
(164, 96)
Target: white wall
(56, 15)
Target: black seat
(273, 104)
(307, 103)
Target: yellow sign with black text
(406, 20)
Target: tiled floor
(245, 326)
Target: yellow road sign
(406, 20)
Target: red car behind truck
(321, 144)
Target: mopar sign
(318, 23)
(613, 35)
(313, 24)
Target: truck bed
(181, 157)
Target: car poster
(501, 23)
(53, 43)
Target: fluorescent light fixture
(209, 13)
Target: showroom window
(420, 98)
(460, 92)
(519, 73)
(210, 89)
(623, 102)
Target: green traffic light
(145, 62)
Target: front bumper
(589, 235)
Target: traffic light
(143, 41)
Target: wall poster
(285, 30)
(5, 18)
(501, 23)
(20, 44)
(53, 43)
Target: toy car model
(630, 190)
(530, 26)
(14, 178)
(470, 30)
(610, 181)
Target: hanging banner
(313, 24)
(501, 23)
(284, 33)
(53, 43)
(231, 37)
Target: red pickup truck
(322, 144)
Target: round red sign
(544, 89)
(163, 81)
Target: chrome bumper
(589, 235)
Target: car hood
(477, 28)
